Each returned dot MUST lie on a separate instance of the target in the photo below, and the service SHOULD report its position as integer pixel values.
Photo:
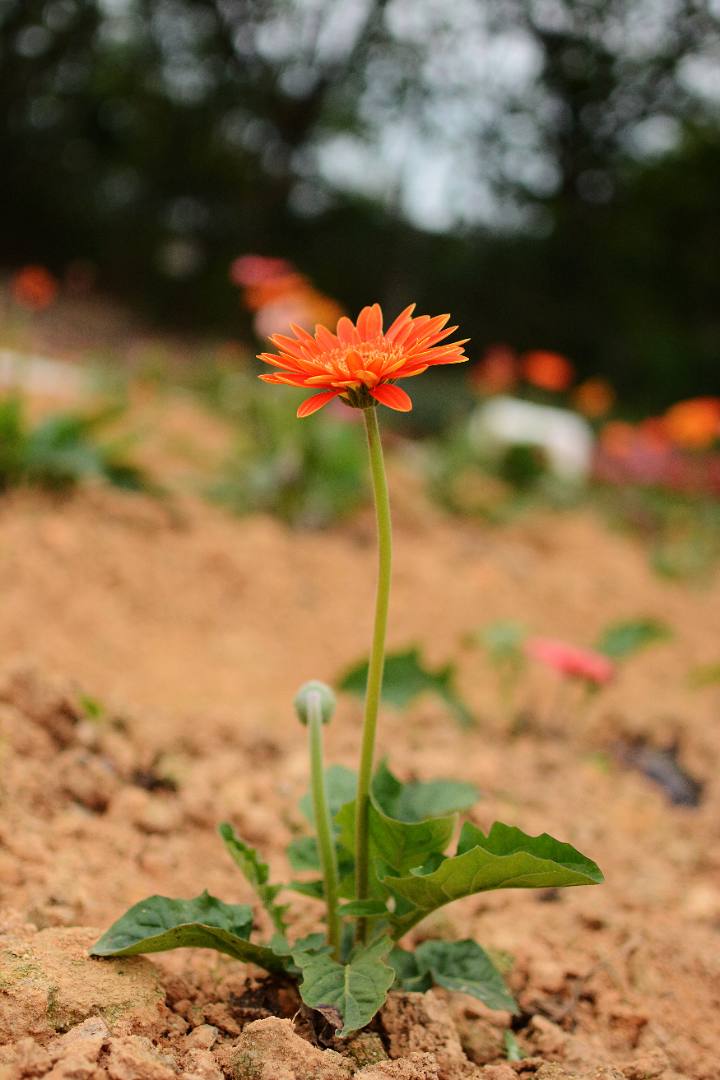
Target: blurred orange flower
(280, 295)
(361, 361)
(547, 370)
(497, 371)
(34, 288)
(594, 398)
(693, 424)
(262, 293)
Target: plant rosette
(380, 849)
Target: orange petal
(370, 322)
(370, 378)
(302, 335)
(412, 371)
(392, 396)
(288, 379)
(325, 339)
(279, 361)
(354, 360)
(346, 332)
(287, 344)
(399, 323)
(312, 404)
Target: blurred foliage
(704, 675)
(63, 450)
(579, 195)
(407, 676)
(680, 531)
(623, 639)
(307, 474)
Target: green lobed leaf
(314, 889)
(370, 909)
(405, 677)
(350, 993)
(397, 845)
(465, 967)
(159, 923)
(506, 858)
(257, 873)
(622, 639)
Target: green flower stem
(323, 825)
(377, 659)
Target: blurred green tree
(544, 168)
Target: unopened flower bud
(314, 694)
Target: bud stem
(377, 660)
(323, 824)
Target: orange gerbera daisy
(360, 361)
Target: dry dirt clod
(201, 1065)
(650, 1066)
(414, 1067)
(547, 1037)
(497, 1072)
(202, 1037)
(49, 984)
(364, 1049)
(133, 1057)
(25, 1059)
(481, 1040)
(270, 1050)
(421, 1023)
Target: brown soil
(193, 630)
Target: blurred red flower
(547, 370)
(34, 288)
(571, 661)
(497, 372)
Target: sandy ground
(194, 629)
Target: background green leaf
(705, 675)
(466, 967)
(407, 971)
(303, 853)
(159, 923)
(621, 639)
(340, 784)
(355, 990)
(406, 676)
(503, 641)
(420, 799)
(257, 873)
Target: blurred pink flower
(570, 660)
(249, 270)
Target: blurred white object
(39, 375)
(565, 438)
